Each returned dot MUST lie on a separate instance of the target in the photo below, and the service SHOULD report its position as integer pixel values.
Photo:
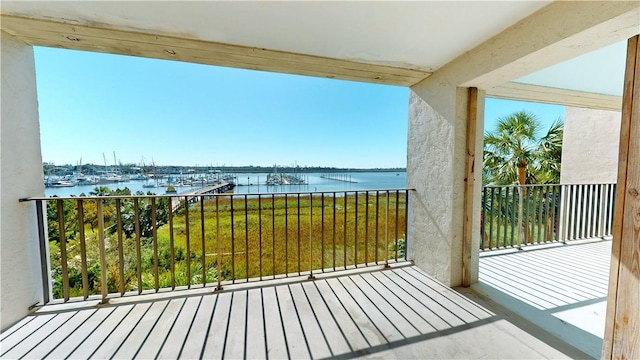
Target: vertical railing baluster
(311, 236)
(246, 235)
(554, 211)
(218, 250)
(286, 235)
(540, 206)
(260, 232)
(120, 246)
(203, 260)
(334, 231)
(483, 220)
(273, 234)
(507, 207)
(344, 235)
(298, 214)
(233, 241)
(386, 231)
(44, 262)
(491, 202)
(521, 236)
(406, 224)
(366, 228)
(377, 222)
(322, 231)
(499, 217)
(63, 250)
(356, 243)
(154, 232)
(83, 249)
(187, 240)
(136, 220)
(514, 200)
(396, 223)
(103, 255)
(172, 253)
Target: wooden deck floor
(395, 313)
(561, 288)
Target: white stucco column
(436, 170)
(21, 176)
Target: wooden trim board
(100, 38)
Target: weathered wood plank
(469, 184)
(93, 38)
(79, 335)
(622, 331)
(59, 335)
(335, 337)
(91, 343)
(176, 338)
(236, 332)
(355, 337)
(113, 342)
(214, 343)
(547, 95)
(276, 343)
(23, 347)
(26, 330)
(140, 333)
(316, 338)
(256, 337)
(197, 333)
(160, 330)
(296, 341)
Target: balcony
(313, 275)
(399, 312)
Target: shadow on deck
(395, 313)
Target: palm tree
(514, 153)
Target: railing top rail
(183, 195)
(535, 185)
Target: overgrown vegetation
(257, 238)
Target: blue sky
(177, 113)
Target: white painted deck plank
(335, 338)
(25, 331)
(317, 341)
(367, 317)
(236, 331)
(296, 341)
(256, 341)
(15, 327)
(175, 339)
(59, 335)
(214, 343)
(160, 330)
(140, 333)
(117, 338)
(93, 341)
(22, 348)
(391, 313)
(276, 342)
(427, 295)
(201, 325)
(79, 334)
(355, 338)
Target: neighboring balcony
(295, 275)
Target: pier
(193, 196)
(339, 177)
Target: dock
(339, 177)
(194, 195)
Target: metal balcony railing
(110, 246)
(515, 216)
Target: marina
(245, 183)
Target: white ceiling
(600, 72)
(417, 35)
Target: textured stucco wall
(436, 170)
(590, 146)
(21, 176)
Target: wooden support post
(471, 215)
(622, 329)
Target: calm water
(254, 183)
